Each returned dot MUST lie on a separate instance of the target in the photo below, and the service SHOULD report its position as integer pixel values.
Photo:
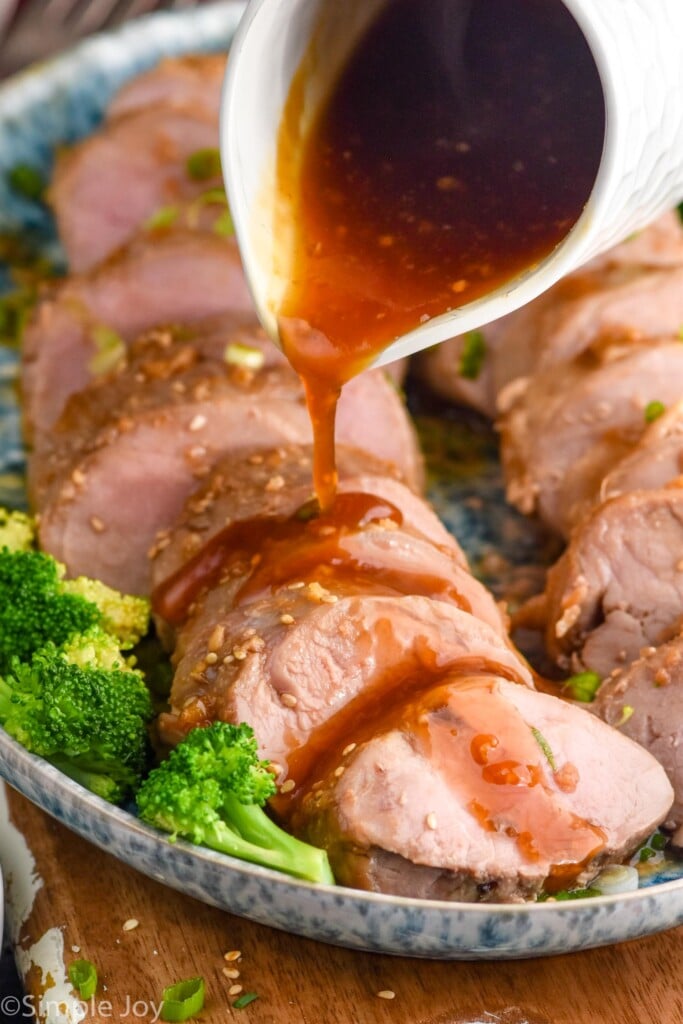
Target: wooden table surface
(89, 896)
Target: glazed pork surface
(106, 187)
(153, 429)
(451, 795)
(618, 587)
(174, 277)
(563, 429)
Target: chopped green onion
(545, 747)
(653, 410)
(110, 350)
(164, 217)
(184, 1000)
(212, 197)
(646, 854)
(224, 225)
(244, 1000)
(568, 894)
(680, 210)
(626, 713)
(473, 355)
(83, 977)
(658, 841)
(583, 686)
(308, 511)
(204, 164)
(26, 181)
(244, 356)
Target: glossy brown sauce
(443, 164)
(486, 753)
(271, 551)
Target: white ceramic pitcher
(637, 46)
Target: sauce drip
(471, 734)
(271, 551)
(456, 150)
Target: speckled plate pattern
(62, 101)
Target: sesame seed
(431, 821)
(228, 659)
(130, 924)
(231, 972)
(78, 477)
(296, 586)
(239, 653)
(234, 990)
(274, 768)
(217, 638)
(198, 422)
(386, 993)
(234, 954)
(287, 786)
(97, 524)
(286, 619)
(211, 658)
(75, 949)
(329, 599)
(276, 483)
(289, 700)
(349, 750)
(338, 772)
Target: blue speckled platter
(62, 101)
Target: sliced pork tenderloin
(618, 587)
(130, 449)
(178, 278)
(303, 663)
(274, 485)
(645, 702)
(563, 430)
(655, 461)
(480, 789)
(104, 188)
(193, 81)
(636, 288)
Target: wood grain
(90, 896)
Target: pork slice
(562, 430)
(456, 788)
(151, 431)
(660, 244)
(193, 81)
(633, 288)
(655, 461)
(181, 277)
(244, 486)
(645, 702)
(130, 449)
(107, 186)
(299, 668)
(618, 587)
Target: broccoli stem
(261, 841)
(5, 700)
(100, 785)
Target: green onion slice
(83, 977)
(204, 164)
(473, 355)
(583, 686)
(244, 1000)
(184, 1000)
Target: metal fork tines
(43, 27)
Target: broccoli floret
(211, 790)
(17, 532)
(89, 722)
(123, 615)
(97, 649)
(34, 608)
(38, 606)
